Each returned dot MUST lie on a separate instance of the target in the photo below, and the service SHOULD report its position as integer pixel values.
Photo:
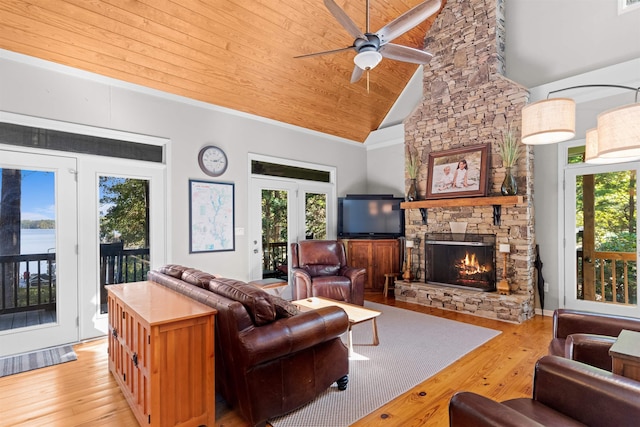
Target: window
(627, 5)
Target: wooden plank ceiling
(237, 54)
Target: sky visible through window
(38, 195)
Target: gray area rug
(413, 347)
(38, 359)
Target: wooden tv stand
(378, 256)
(161, 353)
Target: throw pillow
(283, 307)
(172, 270)
(255, 300)
(197, 277)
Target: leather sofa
(270, 358)
(587, 336)
(319, 269)
(565, 393)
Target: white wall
(385, 161)
(37, 88)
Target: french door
(122, 218)
(600, 249)
(38, 258)
(283, 212)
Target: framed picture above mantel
(460, 172)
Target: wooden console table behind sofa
(161, 353)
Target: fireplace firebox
(461, 260)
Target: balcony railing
(615, 278)
(28, 282)
(274, 260)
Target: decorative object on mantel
(510, 152)
(461, 172)
(616, 138)
(412, 170)
(503, 285)
(407, 276)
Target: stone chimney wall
(468, 101)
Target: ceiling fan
(372, 47)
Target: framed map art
(211, 216)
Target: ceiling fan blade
(344, 20)
(326, 52)
(405, 54)
(407, 20)
(357, 74)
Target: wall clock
(212, 160)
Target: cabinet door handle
(135, 359)
(114, 332)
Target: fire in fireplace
(462, 260)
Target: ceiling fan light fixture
(549, 121)
(367, 60)
(619, 133)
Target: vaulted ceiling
(237, 54)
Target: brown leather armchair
(319, 269)
(565, 393)
(586, 336)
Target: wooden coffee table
(355, 313)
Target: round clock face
(212, 161)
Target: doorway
(600, 254)
(38, 259)
(284, 211)
(124, 234)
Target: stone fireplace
(466, 261)
(468, 101)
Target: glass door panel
(275, 233)
(38, 281)
(315, 216)
(601, 223)
(124, 232)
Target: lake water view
(37, 241)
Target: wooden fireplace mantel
(465, 201)
(496, 201)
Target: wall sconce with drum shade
(503, 285)
(616, 138)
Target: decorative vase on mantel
(509, 185)
(510, 152)
(412, 194)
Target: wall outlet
(546, 287)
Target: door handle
(255, 251)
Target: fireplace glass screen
(461, 260)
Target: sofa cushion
(283, 307)
(173, 270)
(316, 270)
(197, 277)
(256, 301)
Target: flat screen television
(370, 216)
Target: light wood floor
(83, 393)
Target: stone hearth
(509, 308)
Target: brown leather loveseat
(586, 336)
(565, 393)
(269, 359)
